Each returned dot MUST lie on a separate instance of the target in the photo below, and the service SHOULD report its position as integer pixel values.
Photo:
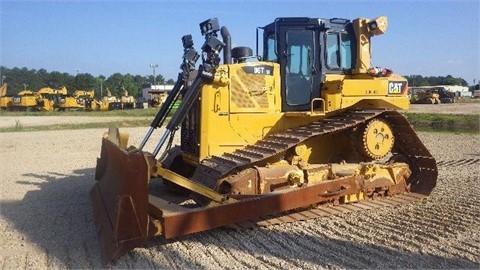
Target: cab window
(339, 51)
(300, 48)
(271, 55)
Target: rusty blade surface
(120, 200)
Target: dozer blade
(120, 199)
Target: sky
(428, 38)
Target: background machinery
(5, 100)
(67, 102)
(127, 102)
(107, 102)
(307, 123)
(47, 98)
(24, 100)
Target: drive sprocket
(376, 139)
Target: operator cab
(307, 49)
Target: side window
(346, 51)
(271, 56)
(333, 53)
(340, 51)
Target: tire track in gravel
(382, 228)
(332, 247)
(281, 244)
(200, 252)
(159, 258)
(378, 251)
(458, 162)
(360, 261)
(307, 245)
(176, 254)
(216, 251)
(349, 229)
(429, 231)
(273, 248)
(250, 246)
(234, 247)
(405, 261)
(139, 260)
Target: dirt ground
(46, 220)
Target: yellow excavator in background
(306, 123)
(24, 100)
(5, 100)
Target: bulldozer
(85, 98)
(430, 96)
(5, 100)
(304, 123)
(47, 98)
(108, 102)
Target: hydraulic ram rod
(164, 109)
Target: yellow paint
(238, 109)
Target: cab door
(298, 54)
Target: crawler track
(407, 143)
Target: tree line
(19, 79)
(419, 80)
(31, 79)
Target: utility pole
(4, 77)
(101, 88)
(153, 66)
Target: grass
(428, 122)
(125, 123)
(150, 112)
(467, 100)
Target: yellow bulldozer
(5, 100)
(74, 102)
(306, 122)
(92, 104)
(426, 97)
(85, 98)
(48, 97)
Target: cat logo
(396, 87)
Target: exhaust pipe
(227, 51)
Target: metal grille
(190, 131)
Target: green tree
(85, 81)
(114, 83)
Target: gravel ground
(46, 218)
